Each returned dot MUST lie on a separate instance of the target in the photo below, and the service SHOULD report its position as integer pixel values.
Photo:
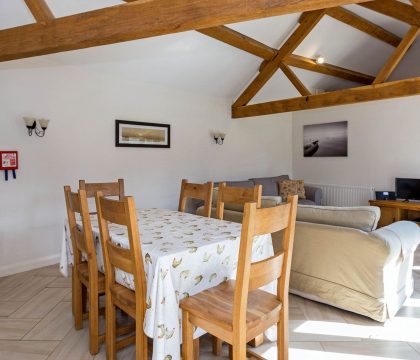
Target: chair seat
(215, 306)
(83, 271)
(125, 298)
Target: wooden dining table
(183, 255)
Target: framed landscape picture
(142, 134)
(325, 140)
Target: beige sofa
(341, 259)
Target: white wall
(82, 103)
(383, 144)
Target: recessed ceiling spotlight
(319, 60)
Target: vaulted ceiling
(195, 62)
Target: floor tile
(26, 350)
(371, 350)
(41, 304)
(8, 307)
(74, 346)
(61, 281)
(297, 350)
(54, 326)
(28, 289)
(15, 329)
(52, 270)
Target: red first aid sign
(9, 160)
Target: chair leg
(77, 302)
(239, 351)
(282, 337)
(217, 346)
(196, 346)
(93, 323)
(141, 339)
(230, 352)
(187, 337)
(110, 329)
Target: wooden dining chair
(236, 195)
(85, 275)
(237, 311)
(196, 191)
(107, 188)
(133, 303)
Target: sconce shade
(43, 123)
(29, 121)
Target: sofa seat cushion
(306, 202)
(269, 184)
(364, 218)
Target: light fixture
(320, 60)
(219, 138)
(31, 125)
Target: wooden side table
(395, 210)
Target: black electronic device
(407, 189)
(385, 195)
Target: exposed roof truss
(375, 87)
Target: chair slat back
(271, 220)
(253, 276)
(120, 258)
(196, 191)
(108, 188)
(236, 195)
(81, 237)
(114, 212)
(266, 271)
(122, 212)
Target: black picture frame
(139, 124)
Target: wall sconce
(31, 125)
(219, 138)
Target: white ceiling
(194, 62)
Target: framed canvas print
(142, 134)
(325, 140)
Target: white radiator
(345, 195)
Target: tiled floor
(36, 324)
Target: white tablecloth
(184, 254)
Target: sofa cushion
(362, 217)
(269, 184)
(292, 187)
(306, 202)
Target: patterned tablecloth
(184, 254)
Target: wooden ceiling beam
(139, 19)
(245, 43)
(396, 10)
(398, 54)
(40, 11)
(303, 90)
(389, 90)
(416, 4)
(328, 69)
(240, 41)
(286, 49)
(364, 25)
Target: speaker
(385, 195)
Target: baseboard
(29, 265)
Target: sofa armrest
(401, 238)
(314, 194)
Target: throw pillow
(292, 187)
